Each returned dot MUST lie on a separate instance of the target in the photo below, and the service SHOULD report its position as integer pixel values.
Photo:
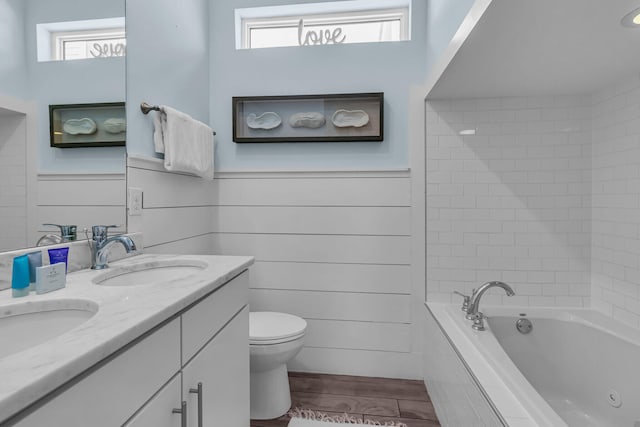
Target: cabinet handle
(183, 413)
(198, 391)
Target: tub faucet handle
(466, 299)
(478, 322)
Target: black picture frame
(347, 118)
(87, 125)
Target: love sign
(319, 37)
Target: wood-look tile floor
(380, 399)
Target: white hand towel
(187, 144)
(158, 138)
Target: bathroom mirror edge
(22, 105)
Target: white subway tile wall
(615, 284)
(509, 198)
(13, 184)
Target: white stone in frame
(265, 121)
(115, 125)
(350, 118)
(312, 120)
(84, 126)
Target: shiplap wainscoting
(333, 248)
(177, 214)
(82, 199)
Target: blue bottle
(20, 277)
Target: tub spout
(474, 313)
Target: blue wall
(177, 57)
(184, 55)
(12, 49)
(167, 63)
(443, 19)
(73, 82)
(391, 68)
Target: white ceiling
(529, 47)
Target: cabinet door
(112, 393)
(158, 411)
(222, 367)
(207, 317)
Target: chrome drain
(614, 398)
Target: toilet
(274, 339)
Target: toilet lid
(267, 326)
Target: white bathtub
(576, 368)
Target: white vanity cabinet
(109, 394)
(159, 411)
(220, 371)
(208, 343)
(217, 358)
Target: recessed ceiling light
(632, 19)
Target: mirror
(40, 184)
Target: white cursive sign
(320, 36)
(107, 50)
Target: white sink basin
(28, 324)
(149, 273)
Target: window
(88, 44)
(95, 38)
(355, 21)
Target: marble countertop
(125, 313)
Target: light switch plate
(135, 201)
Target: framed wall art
(309, 118)
(87, 125)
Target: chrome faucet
(473, 313)
(49, 239)
(68, 233)
(100, 245)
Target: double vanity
(154, 340)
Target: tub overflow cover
(524, 326)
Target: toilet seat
(266, 327)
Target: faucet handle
(99, 232)
(478, 322)
(67, 232)
(465, 301)
(472, 301)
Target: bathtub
(576, 367)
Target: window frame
(59, 38)
(382, 13)
(46, 32)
